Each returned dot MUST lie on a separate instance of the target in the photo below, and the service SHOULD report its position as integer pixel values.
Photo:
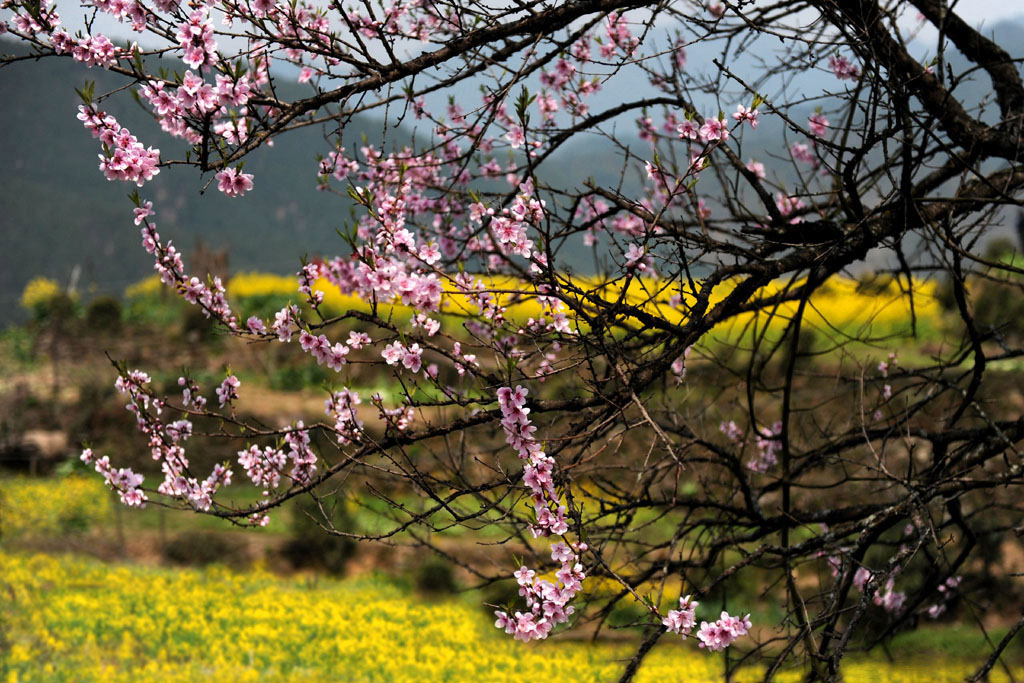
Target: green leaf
(87, 92)
(523, 103)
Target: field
(67, 618)
(125, 613)
(875, 307)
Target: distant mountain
(58, 211)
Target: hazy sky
(988, 10)
(974, 11)
(984, 12)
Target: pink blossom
(619, 37)
(560, 552)
(788, 206)
(228, 390)
(768, 446)
(731, 430)
(743, 114)
(233, 182)
(679, 55)
(697, 162)
(635, 257)
(861, 577)
(703, 210)
(722, 633)
(801, 152)
(358, 340)
(687, 130)
(757, 168)
(682, 620)
(515, 137)
(255, 325)
(818, 125)
(843, 68)
(524, 576)
(393, 353)
(714, 129)
(336, 356)
(890, 600)
(124, 157)
(411, 359)
(143, 212)
(196, 40)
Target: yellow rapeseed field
(74, 619)
(36, 507)
(841, 307)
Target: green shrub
(296, 378)
(203, 548)
(435, 577)
(196, 325)
(502, 594)
(999, 306)
(103, 314)
(262, 305)
(311, 545)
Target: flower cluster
(197, 98)
(299, 452)
(619, 37)
(843, 68)
(767, 442)
(233, 182)
(547, 601)
(123, 480)
(124, 157)
(768, 445)
(720, 634)
(789, 206)
(887, 598)
(681, 621)
(946, 588)
(410, 357)
(168, 263)
(263, 467)
(716, 635)
(195, 37)
(749, 115)
(132, 10)
(342, 407)
(539, 467)
(40, 18)
(165, 440)
(333, 355)
(228, 390)
(190, 394)
(94, 50)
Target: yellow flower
(38, 292)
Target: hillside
(59, 212)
